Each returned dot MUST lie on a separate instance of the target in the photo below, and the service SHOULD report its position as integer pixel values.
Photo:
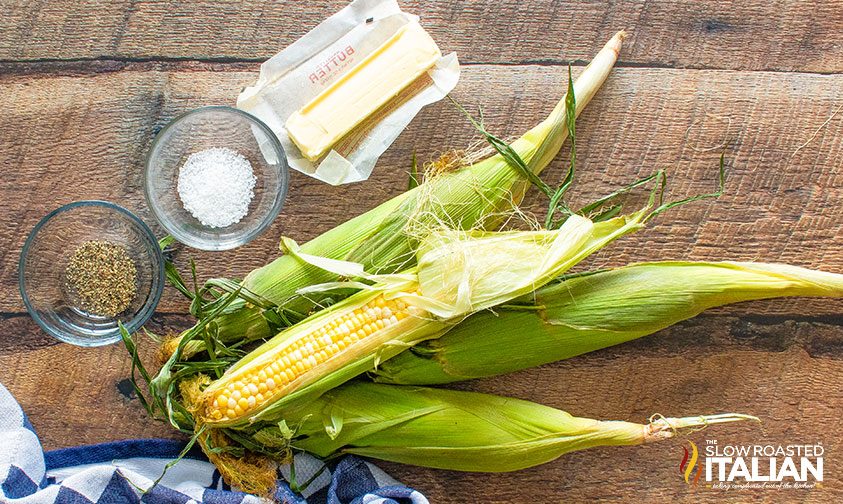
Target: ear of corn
(456, 430)
(595, 311)
(382, 238)
(455, 276)
(316, 355)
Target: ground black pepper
(101, 278)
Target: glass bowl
(205, 128)
(45, 256)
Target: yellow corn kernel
(251, 389)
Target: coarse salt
(216, 186)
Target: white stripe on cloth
(190, 477)
(20, 446)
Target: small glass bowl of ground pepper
(88, 265)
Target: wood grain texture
(747, 35)
(778, 206)
(74, 395)
(786, 373)
(87, 84)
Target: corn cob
(595, 311)
(475, 196)
(455, 430)
(458, 273)
(325, 350)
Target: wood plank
(87, 84)
(745, 35)
(70, 137)
(69, 403)
(786, 373)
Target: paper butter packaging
(340, 95)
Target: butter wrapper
(293, 77)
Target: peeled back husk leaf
(492, 268)
(594, 311)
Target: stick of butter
(369, 85)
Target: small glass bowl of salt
(216, 177)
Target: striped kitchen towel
(119, 472)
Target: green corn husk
(382, 238)
(458, 273)
(448, 429)
(593, 311)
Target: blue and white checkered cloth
(116, 473)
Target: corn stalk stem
(662, 428)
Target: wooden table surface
(86, 84)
